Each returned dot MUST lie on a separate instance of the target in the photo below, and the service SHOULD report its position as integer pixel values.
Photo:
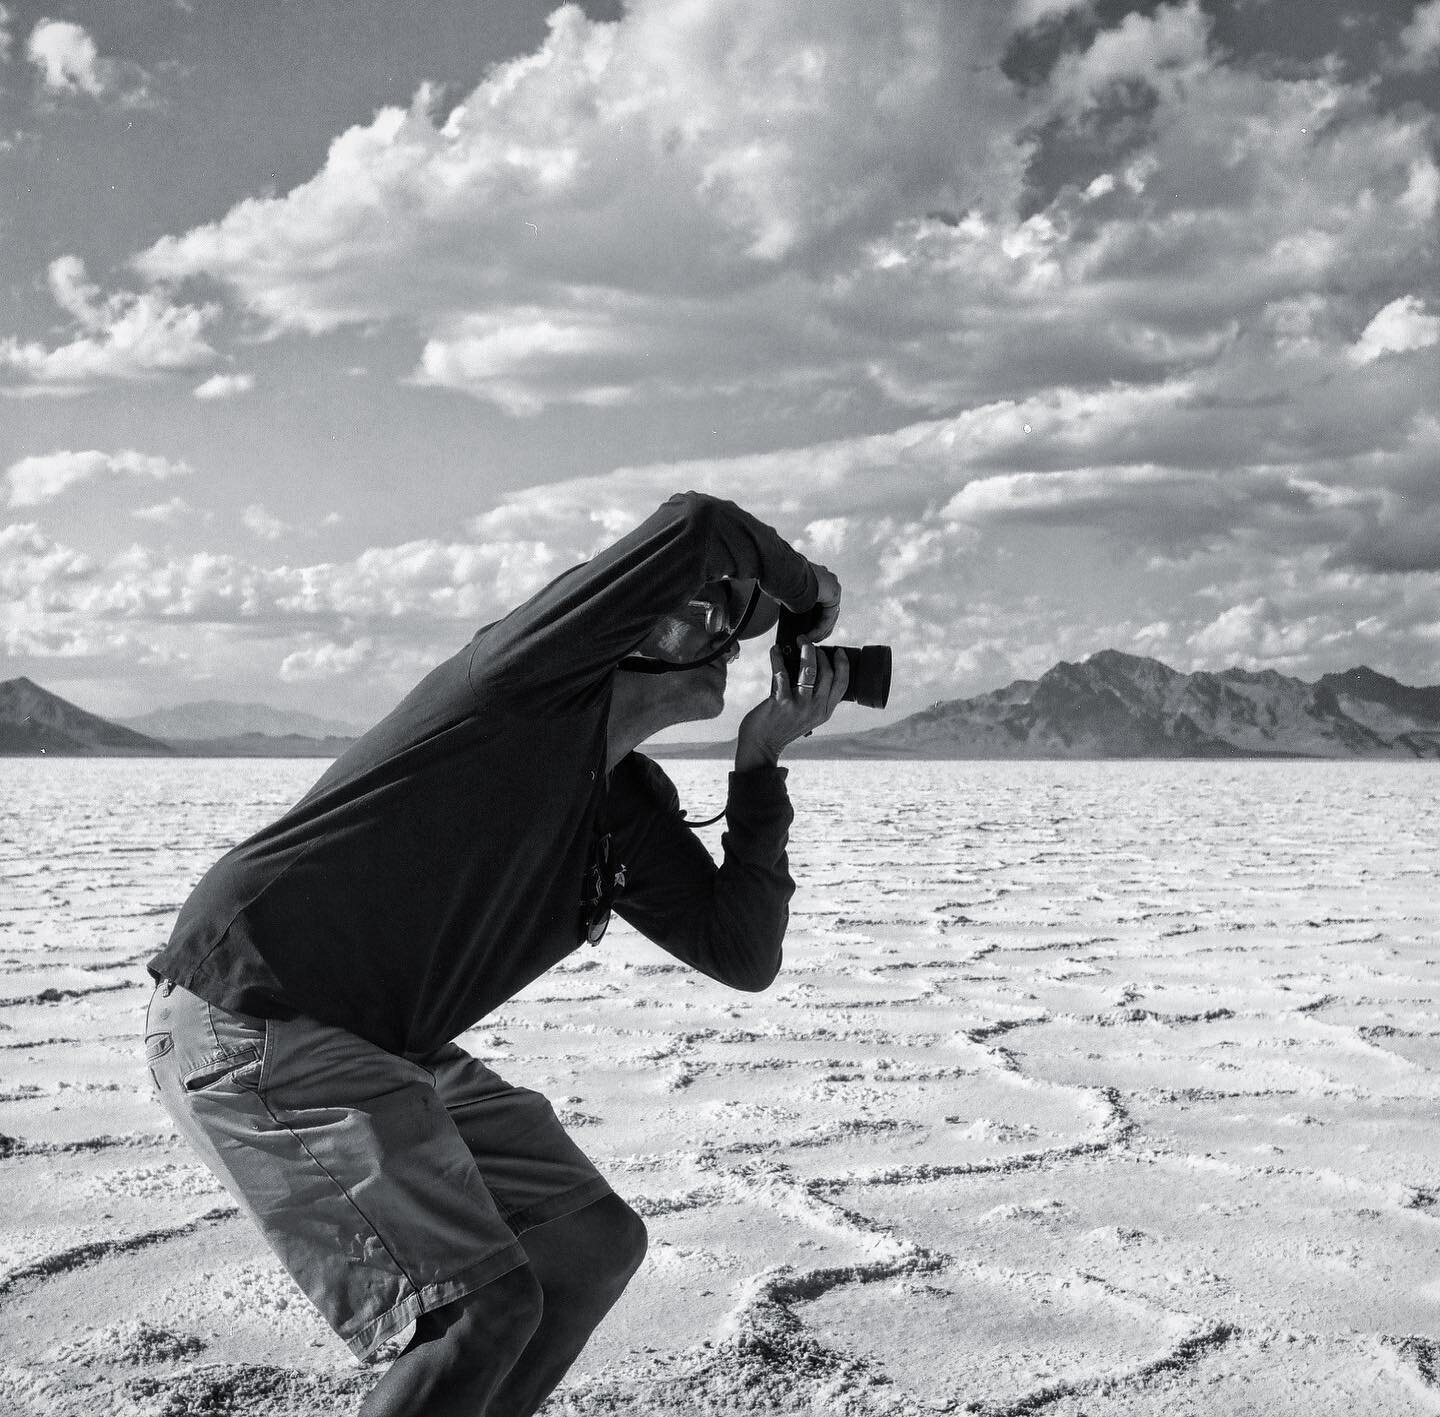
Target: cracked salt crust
(1091, 1087)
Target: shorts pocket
(242, 1066)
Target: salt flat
(1087, 1088)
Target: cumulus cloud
(224, 386)
(1169, 48)
(31, 561)
(801, 201)
(123, 336)
(326, 660)
(1029, 13)
(1251, 634)
(165, 513)
(1397, 328)
(428, 587)
(70, 63)
(43, 477)
(262, 523)
(1420, 39)
(577, 214)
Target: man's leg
(583, 1261)
(461, 1353)
(357, 1177)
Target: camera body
(869, 664)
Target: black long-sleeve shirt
(436, 867)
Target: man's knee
(595, 1250)
(618, 1243)
(629, 1240)
(500, 1316)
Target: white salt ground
(1087, 1089)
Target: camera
(869, 664)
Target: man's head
(678, 674)
(715, 616)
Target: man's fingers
(808, 679)
(779, 680)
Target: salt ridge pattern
(1087, 1088)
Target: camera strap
(708, 822)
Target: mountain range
(1115, 705)
(219, 718)
(1111, 705)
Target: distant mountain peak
(35, 722)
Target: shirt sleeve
(573, 633)
(727, 921)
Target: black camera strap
(708, 822)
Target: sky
(330, 330)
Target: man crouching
(301, 1034)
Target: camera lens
(869, 684)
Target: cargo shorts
(388, 1186)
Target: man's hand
(791, 710)
(826, 609)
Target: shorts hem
(553, 1207)
(434, 1296)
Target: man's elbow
(694, 508)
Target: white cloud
(427, 588)
(41, 478)
(1396, 328)
(4, 34)
(66, 57)
(70, 63)
(326, 660)
(625, 187)
(115, 651)
(164, 513)
(502, 353)
(1034, 12)
(31, 561)
(1260, 634)
(732, 200)
(1420, 39)
(224, 386)
(122, 336)
(1168, 48)
(262, 523)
